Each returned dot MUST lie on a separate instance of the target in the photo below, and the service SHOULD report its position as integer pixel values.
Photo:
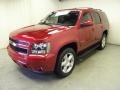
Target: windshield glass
(66, 18)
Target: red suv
(55, 42)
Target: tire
(102, 43)
(65, 62)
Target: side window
(86, 17)
(96, 18)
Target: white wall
(112, 9)
(41, 8)
(13, 15)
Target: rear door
(97, 26)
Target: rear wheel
(103, 42)
(65, 62)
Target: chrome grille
(19, 42)
(14, 44)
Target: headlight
(40, 48)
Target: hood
(35, 32)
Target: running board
(87, 51)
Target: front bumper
(37, 63)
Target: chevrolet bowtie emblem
(13, 43)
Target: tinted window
(96, 18)
(86, 17)
(67, 18)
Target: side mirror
(87, 23)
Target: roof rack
(98, 9)
(83, 8)
(88, 8)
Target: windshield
(66, 18)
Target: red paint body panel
(58, 36)
(34, 62)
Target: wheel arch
(72, 45)
(105, 32)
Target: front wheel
(103, 42)
(65, 62)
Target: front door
(86, 33)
